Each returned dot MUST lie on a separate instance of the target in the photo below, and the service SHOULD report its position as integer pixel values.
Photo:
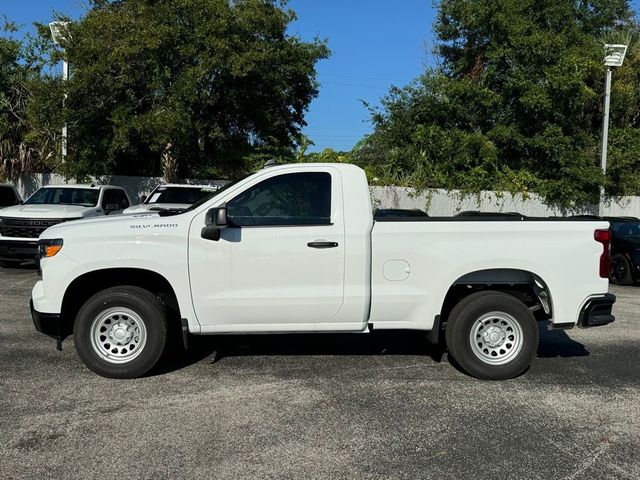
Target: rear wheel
(492, 335)
(620, 270)
(121, 332)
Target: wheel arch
(524, 285)
(90, 283)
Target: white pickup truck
(295, 248)
(22, 224)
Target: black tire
(10, 263)
(464, 322)
(620, 273)
(149, 310)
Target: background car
(399, 212)
(9, 196)
(625, 250)
(476, 213)
(21, 225)
(172, 197)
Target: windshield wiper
(166, 212)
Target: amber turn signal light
(49, 247)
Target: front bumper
(597, 311)
(50, 324)
(18, 250)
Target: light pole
(613, 57)
(60, 35)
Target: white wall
(438, 202)
(435, 202)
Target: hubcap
(118, 335)
(496, 338)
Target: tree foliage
(15, 156)
(181, 87)
(515, 104)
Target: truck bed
(417, 260)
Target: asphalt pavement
(382, 405)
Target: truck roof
(185, 185)
(81, 185)
(284, 166)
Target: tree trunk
(169, 164)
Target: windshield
(189, 195)
(626, 229)
(85, 197)
(213, 194)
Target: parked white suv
(21, 225)
(171, 197)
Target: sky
(375, 44)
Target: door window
(114, 200)
(290, 199)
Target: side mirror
(215, 221)
(143, 198)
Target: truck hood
(93, 222)
(149, 207)
(47, 211)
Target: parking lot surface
(324, 406)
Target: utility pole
(605, 137)
(613, 57)
(60, 35)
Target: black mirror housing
(217, 217)
(215, 220)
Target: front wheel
(121, 332)
(492, 335)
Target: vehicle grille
(26, 228)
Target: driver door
(279, 265)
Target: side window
(114, 200)
(123, 200)
(290, 199)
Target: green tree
(515, 104)
(28, 138)
(188, 87)
(15, 156)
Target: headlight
(49, 247)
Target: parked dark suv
(9, 196)
(625, 250)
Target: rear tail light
(604, 237)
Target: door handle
(322, 244)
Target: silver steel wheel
(118, 335)
(496, 338)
